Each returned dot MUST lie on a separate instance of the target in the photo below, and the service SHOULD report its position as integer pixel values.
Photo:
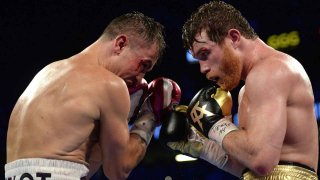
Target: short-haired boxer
(277, 135)
(80, 105)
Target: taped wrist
(220, 129)
(144, 126)
(192, 146)
(214, 154)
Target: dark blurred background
(34, 33)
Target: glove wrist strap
(220, 129)
(144, 126)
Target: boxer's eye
(203, 55)
(145, 65)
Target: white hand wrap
(145, 124)
(214, 154)
(221, 128)
(198, 145)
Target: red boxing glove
(164, 94)
(138, 94)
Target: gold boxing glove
(197, 145)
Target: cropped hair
(137, 25)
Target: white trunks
(44, 169)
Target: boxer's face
(218, 62)
(139, 61)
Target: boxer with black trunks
(277, 135)
(73, 115)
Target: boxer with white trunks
(80, 105)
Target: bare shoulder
(106, 83)
(91, 83)
(114, 85)
(267, 66)
(88, 81)
(274, 74)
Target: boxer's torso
(300, 128)
(56, 117)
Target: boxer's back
(301, 139)
(54, 117)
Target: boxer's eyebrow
(199, 53)
(196, 53)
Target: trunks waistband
(284, 170)
(33, 168)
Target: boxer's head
(216, 18)
(219, 63)
(212, 34)
(142, 29)
(137, 44)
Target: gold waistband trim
(281, 172)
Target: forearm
(250, 152)
(238, 148)
(120, 162)
(136, 150)
(140, 135)
(216, 155)
(94, 160)
(233, 167)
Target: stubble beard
(231, 68)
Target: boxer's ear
(234, 35)
(120, 42)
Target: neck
(92, 54)
(255, 50)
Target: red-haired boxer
(75, 103)
(278, 134)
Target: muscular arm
(234, 167)
(262, 117)
(121, 152)
(94, 160)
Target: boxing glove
(163, 94)
(175, 126)
(177, 134)
(138, 94)
(210, 112)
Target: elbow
(262, 169)
(117, 174)
(264, 165)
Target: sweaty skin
(82, 102)
(276, 113)
(54, 116)
(276, 108)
